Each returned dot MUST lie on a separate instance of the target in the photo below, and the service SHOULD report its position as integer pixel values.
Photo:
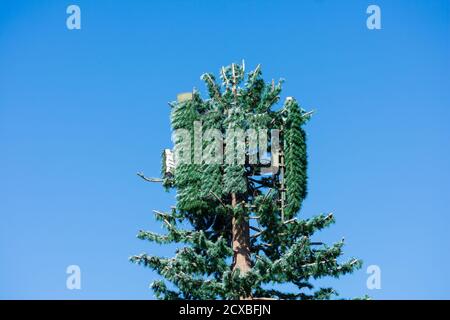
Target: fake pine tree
(239, 167)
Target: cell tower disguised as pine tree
(240, 171)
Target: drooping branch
(148, 179)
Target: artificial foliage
(238, 228)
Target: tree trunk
(241, 243)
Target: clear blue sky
(82, 111)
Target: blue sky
(81, 111)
